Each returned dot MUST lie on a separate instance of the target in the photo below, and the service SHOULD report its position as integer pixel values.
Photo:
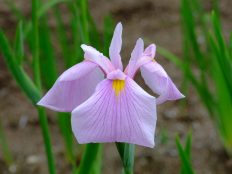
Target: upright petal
(118, 111)
(150, 51)
(73, 87)
(146, 57)
(91, 54)
(135, 55)
(159, 82)
(115, 47)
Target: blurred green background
(194, 47)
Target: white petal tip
(83, 46)
(119, 24)
(182, 96)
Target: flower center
(118, 86)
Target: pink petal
(115, 47)
(135, 55)
(159, 81)
(129, 116)
(146, 57)
(91, 54)
(150, 51)
(73, 87)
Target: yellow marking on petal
(118, 86)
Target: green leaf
(77, 35)
(85, 20)
(18, 44)
(62, 38)
(47, 56)
(93, 33)
(188, 145)
(230, 46)
(18, 73)
(222, 54)
(186, 165)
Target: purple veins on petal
(107, 116)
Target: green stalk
(127, 153)
(36, 71)
(47, 140)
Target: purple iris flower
(107, 105)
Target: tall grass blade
(7, 157)
(47, 61)
(49, 5)
(184, 155)
(62, 38)
(23, 80)
(18, 44)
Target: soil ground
(154, 21)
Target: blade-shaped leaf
(19, 74)
(186, 165)
(18, 44)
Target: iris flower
(107, 105)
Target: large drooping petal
(91, 54)
(159, 82)
(138, 59)
(115, 47)
(73, 87)
(118, 111)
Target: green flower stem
(88, 159)
(36, 71)
(126, 152)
